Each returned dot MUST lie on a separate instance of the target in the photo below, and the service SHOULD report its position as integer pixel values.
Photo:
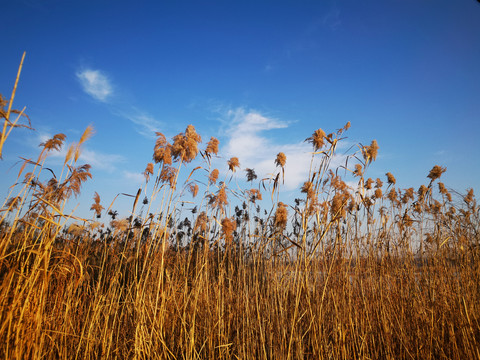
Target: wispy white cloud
(134, 177)
(95, 83)
(247, 141)
(332, 19)
(145, 124)
(102, 161)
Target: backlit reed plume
(185, 145)
(233, 164)
(162, 151)
(96, 205)
(212, 178)
(281, 159)
(254, 195)
(317, 139)
(281, 216)
(212, 146)
(229, 225)
(193, 188)
(148, 171)
(390, 179)
(436, 172)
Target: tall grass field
(357, 269)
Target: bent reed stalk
(365, 271)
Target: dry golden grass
(364, 273)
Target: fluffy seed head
(233, 163)
(185, 146)
(317, 139)
(281, 216)
(228, 227)
(212, 146)
(436, 172)
(281, 159)
(213, 176)
(372, 150)
(390, 179)
(148, 171)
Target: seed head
(213, 176)
(228, 227)
(372, 150)
(148, 171)
(317, 139)
(436, 172)
(281, 159)
(281, 216)
(390, 179)
(212, 146)
(233, 163)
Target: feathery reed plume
(162, 151)
(469, 197)
(201, 222)
(436, 172)
(212, 146)
(120, 225)
(229, 225)
(338, 205)
(96, 205)
(378, 193)
(392, 195)
(281, 216)
(54, 143)
(317, 139)
(212, 178)
(233, 163)
(148, 171)
(185, 146)
(193, 188)
(77, 176)
(408, 195)
(168, 174)
(422, 192)
(308, 189)
(358, 170)
(87, 134)
(220, 200)
(254, 195)
(372, 151)
(281, 159)
(390, 179)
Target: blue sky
(406, 73)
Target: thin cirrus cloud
(95, 83)
(145, 124)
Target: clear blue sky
(406, 73)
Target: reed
(370, 271)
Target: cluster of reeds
(347, 271)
